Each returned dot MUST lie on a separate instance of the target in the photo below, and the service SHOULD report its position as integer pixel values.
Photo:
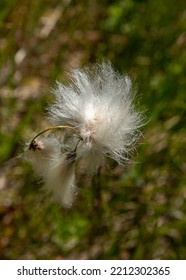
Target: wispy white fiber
(56, 170)
(43, 155)
(60, 181)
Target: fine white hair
(99, 104)
(56, 169)
(44, 155)
(60, 181)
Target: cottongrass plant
(97, 119)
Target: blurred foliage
(135, 213)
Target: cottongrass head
(42, 154)
(99, 104)
(56, 169)
(97, 110)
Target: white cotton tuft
(99, 104)
(60, 181)
(56, 170)
(42, 154)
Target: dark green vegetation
(136, 213)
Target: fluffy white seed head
(98, 113)
(99, 105)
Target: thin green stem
(80, 139)
(51, 128)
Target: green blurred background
(138, 212)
